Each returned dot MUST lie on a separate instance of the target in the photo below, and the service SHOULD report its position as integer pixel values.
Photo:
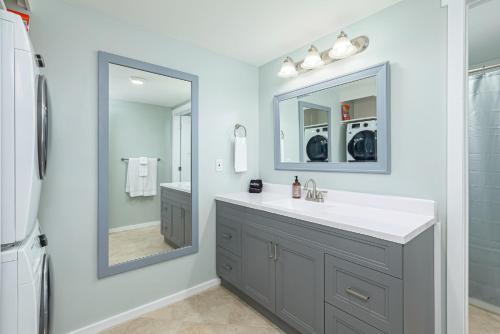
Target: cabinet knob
(228, 267)
(227, 236)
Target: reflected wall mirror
(339, 125)
(148, 184)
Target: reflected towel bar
(126, 159)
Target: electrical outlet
(219, 165)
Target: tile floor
(483, 322)
(134, 244)
(215, 311)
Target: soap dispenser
(296, 188)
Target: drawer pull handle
(354, 293)
(228, 267)
(227, 236)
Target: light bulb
(313, 59)
(288, 69)
(342, 48)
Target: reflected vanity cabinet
(314, 279)
(176, 226)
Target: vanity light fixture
(288, 69)
(137, 81)
(313, 59)
(342, 48)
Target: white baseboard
(134, 227)
(143, 309)
(484, 305)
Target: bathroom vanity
(176, 226)
(357, 263)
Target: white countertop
(180, 186)
(395, 219)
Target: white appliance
(23, 143)
(23, 158)
(25, 285)
(361, 141)
(316, 143)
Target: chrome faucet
(314, 194)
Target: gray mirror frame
(303, 105)
(103, 268)
(382, 165)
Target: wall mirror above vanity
(339, 125)
(147, 164)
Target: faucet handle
(320, 196)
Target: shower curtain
(484, 189)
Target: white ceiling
(253, 31)
(157, 89)
(484, 32)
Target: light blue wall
(137, 130)
(69, 38)
(417, 53)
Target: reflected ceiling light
(342, 48)
(288, 69)
(137, 81)
(313, 59)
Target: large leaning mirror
(147, 164)
(340, 125)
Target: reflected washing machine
(361, 141)
(23, 147)
(316, 143)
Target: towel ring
(237, 127)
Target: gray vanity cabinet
(314, 279)
(285, 276)
(176, 225)
(299, 284)
(258, 266)
(339, 322)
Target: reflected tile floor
(215, 311)
(482, 321)
(137, 243)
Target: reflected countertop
(391, 218)
(180, 186)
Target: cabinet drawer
(367, 294)
(229, 267)
(229, 235)
(338, 322)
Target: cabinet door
(166, 219)
(177, 236)
(188, 228)
(258, 266)
(300, 284)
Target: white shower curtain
(484, 188)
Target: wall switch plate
(219, 165)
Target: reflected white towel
(143, 166)
(240, 154)
(150, 187)
(134, 184)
